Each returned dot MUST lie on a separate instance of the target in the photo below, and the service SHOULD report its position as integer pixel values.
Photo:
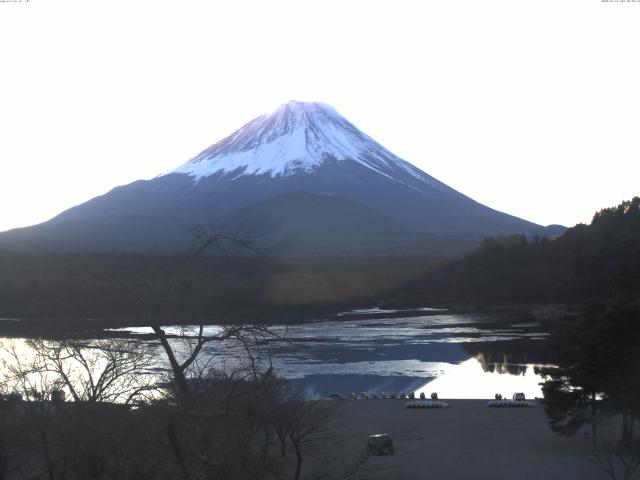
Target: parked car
(519, 397)
(380, 444)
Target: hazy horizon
(528, 109)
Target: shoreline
(55, 327)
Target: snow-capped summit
(297, 138)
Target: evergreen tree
(597, 369)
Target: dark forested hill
(63, 289)
(596, 260)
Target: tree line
(54, 291)
(588, 261)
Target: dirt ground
(466, 441)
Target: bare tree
(113, 371)
(27, 376)
(278, 415)
(75, 440)
(208, 395)
(309, 421)
(206, 240)
(618, 460)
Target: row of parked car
(382, 395)
(517, 397)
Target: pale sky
(530, 107)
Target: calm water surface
(455, 355)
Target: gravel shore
(468, 440)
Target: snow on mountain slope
(297, 138)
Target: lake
(470, 356)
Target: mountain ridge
(305, 147)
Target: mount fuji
(303, 179)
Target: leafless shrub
(617, 460)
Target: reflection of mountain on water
(510, 357)
(374, 350)
(454, 368)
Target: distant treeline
(588, 261)
(113, 288)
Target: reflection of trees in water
(499, 362)
(510, 357)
